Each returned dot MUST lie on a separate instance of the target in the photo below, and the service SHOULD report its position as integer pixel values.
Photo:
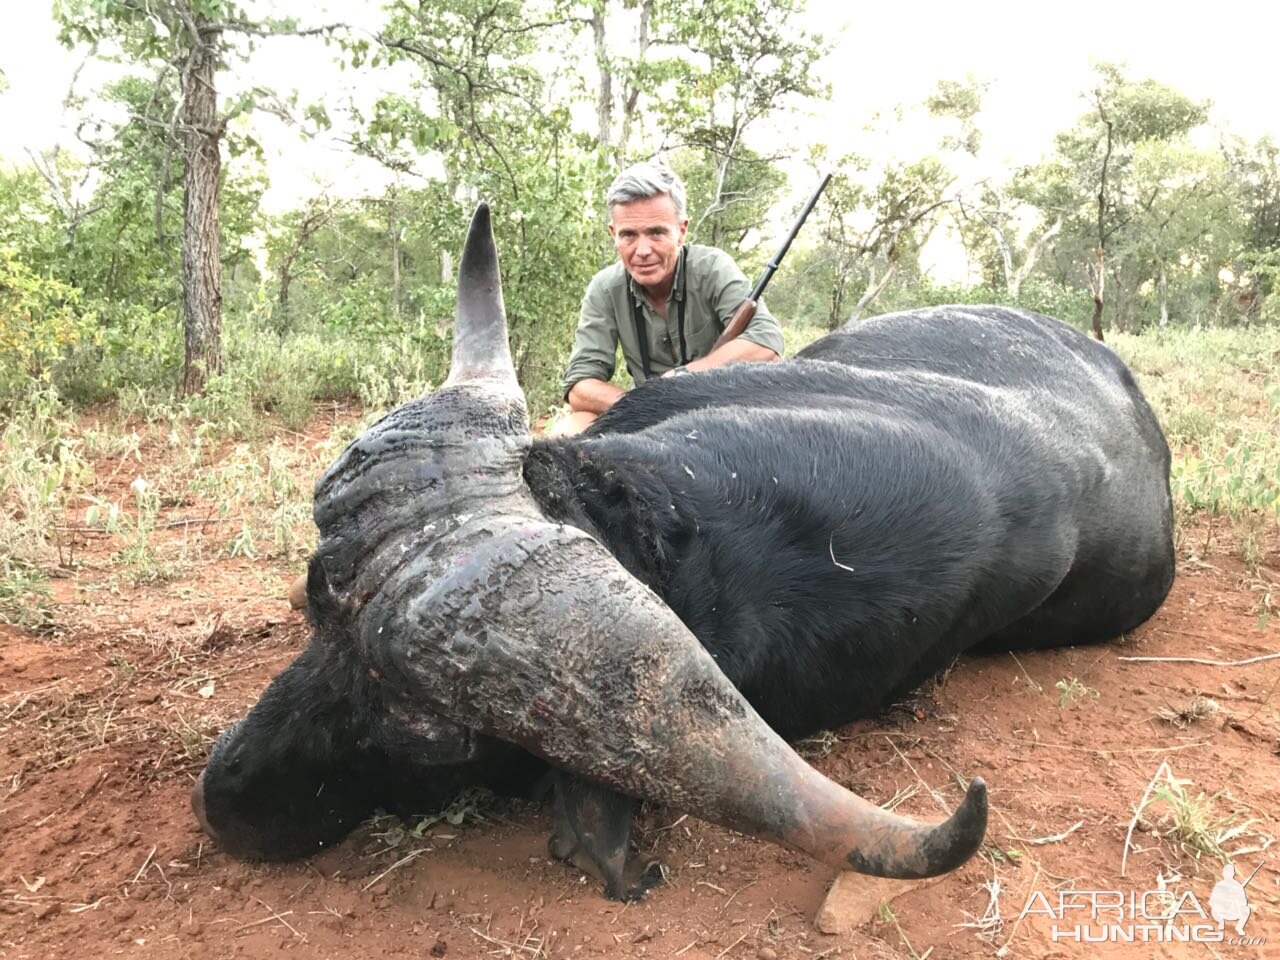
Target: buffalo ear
(480, 349)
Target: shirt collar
(677, 288)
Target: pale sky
(1036, 58)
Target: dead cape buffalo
(723, 562)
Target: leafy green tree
(188, 40)
(289, 239)
(872, 221)
(1187, 223)
(29, 219)
(998, 229)
(993, 225)
(737, 64)
(1254, 169)
(118, 242)
(961, 101)
(502, 131)
(623, 73)
(40, 320)
(751, 187)
(1090, 180)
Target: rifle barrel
(772, 266)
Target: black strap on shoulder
(642, 335)
(684, 295)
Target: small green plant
(25, 598)
(243, 543)
(1234, 480)
(1069, 691)
(1194, 822)
(1271, 388)
(998, 855)
(285, 521)
(226, 406)
(149, 405)
(1268, 603)
(1253, 531)
(139, 560)
(468, 807)
(41, 470)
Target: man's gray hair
(644, 180)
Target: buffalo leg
(592, 831)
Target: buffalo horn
(535, 634)
(480, 349)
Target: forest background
(247, 210)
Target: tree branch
(251, 30)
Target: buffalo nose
(197, 804)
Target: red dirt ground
(106, 722)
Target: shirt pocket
(700, 335)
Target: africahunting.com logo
(1148, 916)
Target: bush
(1042, 296)
(40, 472)
(41, 320)
(136, 349)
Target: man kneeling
(665, 301)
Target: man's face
(647, 235)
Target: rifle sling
(642, 335)
(684, 295)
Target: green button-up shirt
(711, 286)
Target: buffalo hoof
(646, 878)
(591, 830)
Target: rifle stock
(737, 323)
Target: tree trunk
(1011, 281)
(307, 227)
(717, 199)
(393, 232)
(1014, 280)
(1098, 270)
(1121, 307)
(1164, 297)
(1097, 287)
(835, 303)
(1097, 319)
(632, 97)
(286, 278)
(874, 288)
(604, 96)
(201, 268)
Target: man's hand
(593, 395)
(735, 351)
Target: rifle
(747, 309)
